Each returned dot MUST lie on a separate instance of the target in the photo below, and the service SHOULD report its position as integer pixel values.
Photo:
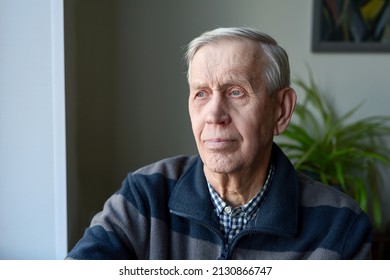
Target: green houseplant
(336, 150)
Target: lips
(218, 143)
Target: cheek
(196, 124)
(256, 125)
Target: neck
(238, 188)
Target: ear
(285, 103)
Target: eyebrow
(233, 80)
(197, 85)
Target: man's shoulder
(157, 179)
(171, 168)
(316, 194)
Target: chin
(220, 163)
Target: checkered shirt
(233, 220)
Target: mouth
(218, 143)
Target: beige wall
(126, 87)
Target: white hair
(276, 68)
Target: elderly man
(240, 198)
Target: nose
(218, 111)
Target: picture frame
(351, 26)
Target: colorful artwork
(351, 25)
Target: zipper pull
(224, 253)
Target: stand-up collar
(278, 213)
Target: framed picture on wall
(351, 26)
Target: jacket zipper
(244, 233)
(227, 252)
(225, 245)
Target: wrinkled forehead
(227, 56)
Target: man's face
(233, 117)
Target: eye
(236, 93)
(201, 94)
